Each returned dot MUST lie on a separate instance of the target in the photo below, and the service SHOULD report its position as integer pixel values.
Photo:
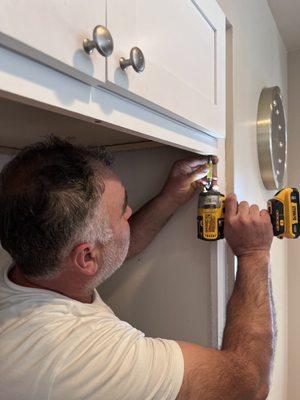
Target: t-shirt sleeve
(115, 362)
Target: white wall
(293, 246)
(259, 60)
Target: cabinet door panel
(184, 47)
(52, 32)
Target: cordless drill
(283, 209)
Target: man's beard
(113, 256)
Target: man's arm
(185, 176)
(241, 369)
(250, 330)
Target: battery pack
(284, 212)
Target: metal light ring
(267, 142)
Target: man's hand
(179, 188)
(185, 176)
(247, 229)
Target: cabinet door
(183, 42)
(52, 32)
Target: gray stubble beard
(114, 255)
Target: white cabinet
(183, 42)
(171, 289)
(52, 32)
(178, 98)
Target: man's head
(61, 204)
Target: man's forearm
(148, 221)
(250, 328)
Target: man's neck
(16, 276)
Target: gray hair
(50, 200)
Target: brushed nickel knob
(102, 41)
(136, 60)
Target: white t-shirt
(54, 347)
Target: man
(65, 220)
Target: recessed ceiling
(287, 16)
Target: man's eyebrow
(125, 203)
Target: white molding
(218, 262)
(32, 83)
(218, 291)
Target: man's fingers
(243, 208)
(199, 174)
(254, 210)
(215, 180)
(196, 161)
(265, 214)
(230, 206)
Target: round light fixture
(271, 138)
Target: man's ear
(84, 257)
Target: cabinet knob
(136, 60)
(102, 41)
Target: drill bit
(209, 176)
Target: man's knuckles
(245, 220)
(242, 221)
(231, 221)
(257, 221)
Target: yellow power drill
(283, 209)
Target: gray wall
(165, 291)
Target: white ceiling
(287, 16)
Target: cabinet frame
(32, 83)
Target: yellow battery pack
(284, 212)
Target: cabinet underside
(166, 290)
